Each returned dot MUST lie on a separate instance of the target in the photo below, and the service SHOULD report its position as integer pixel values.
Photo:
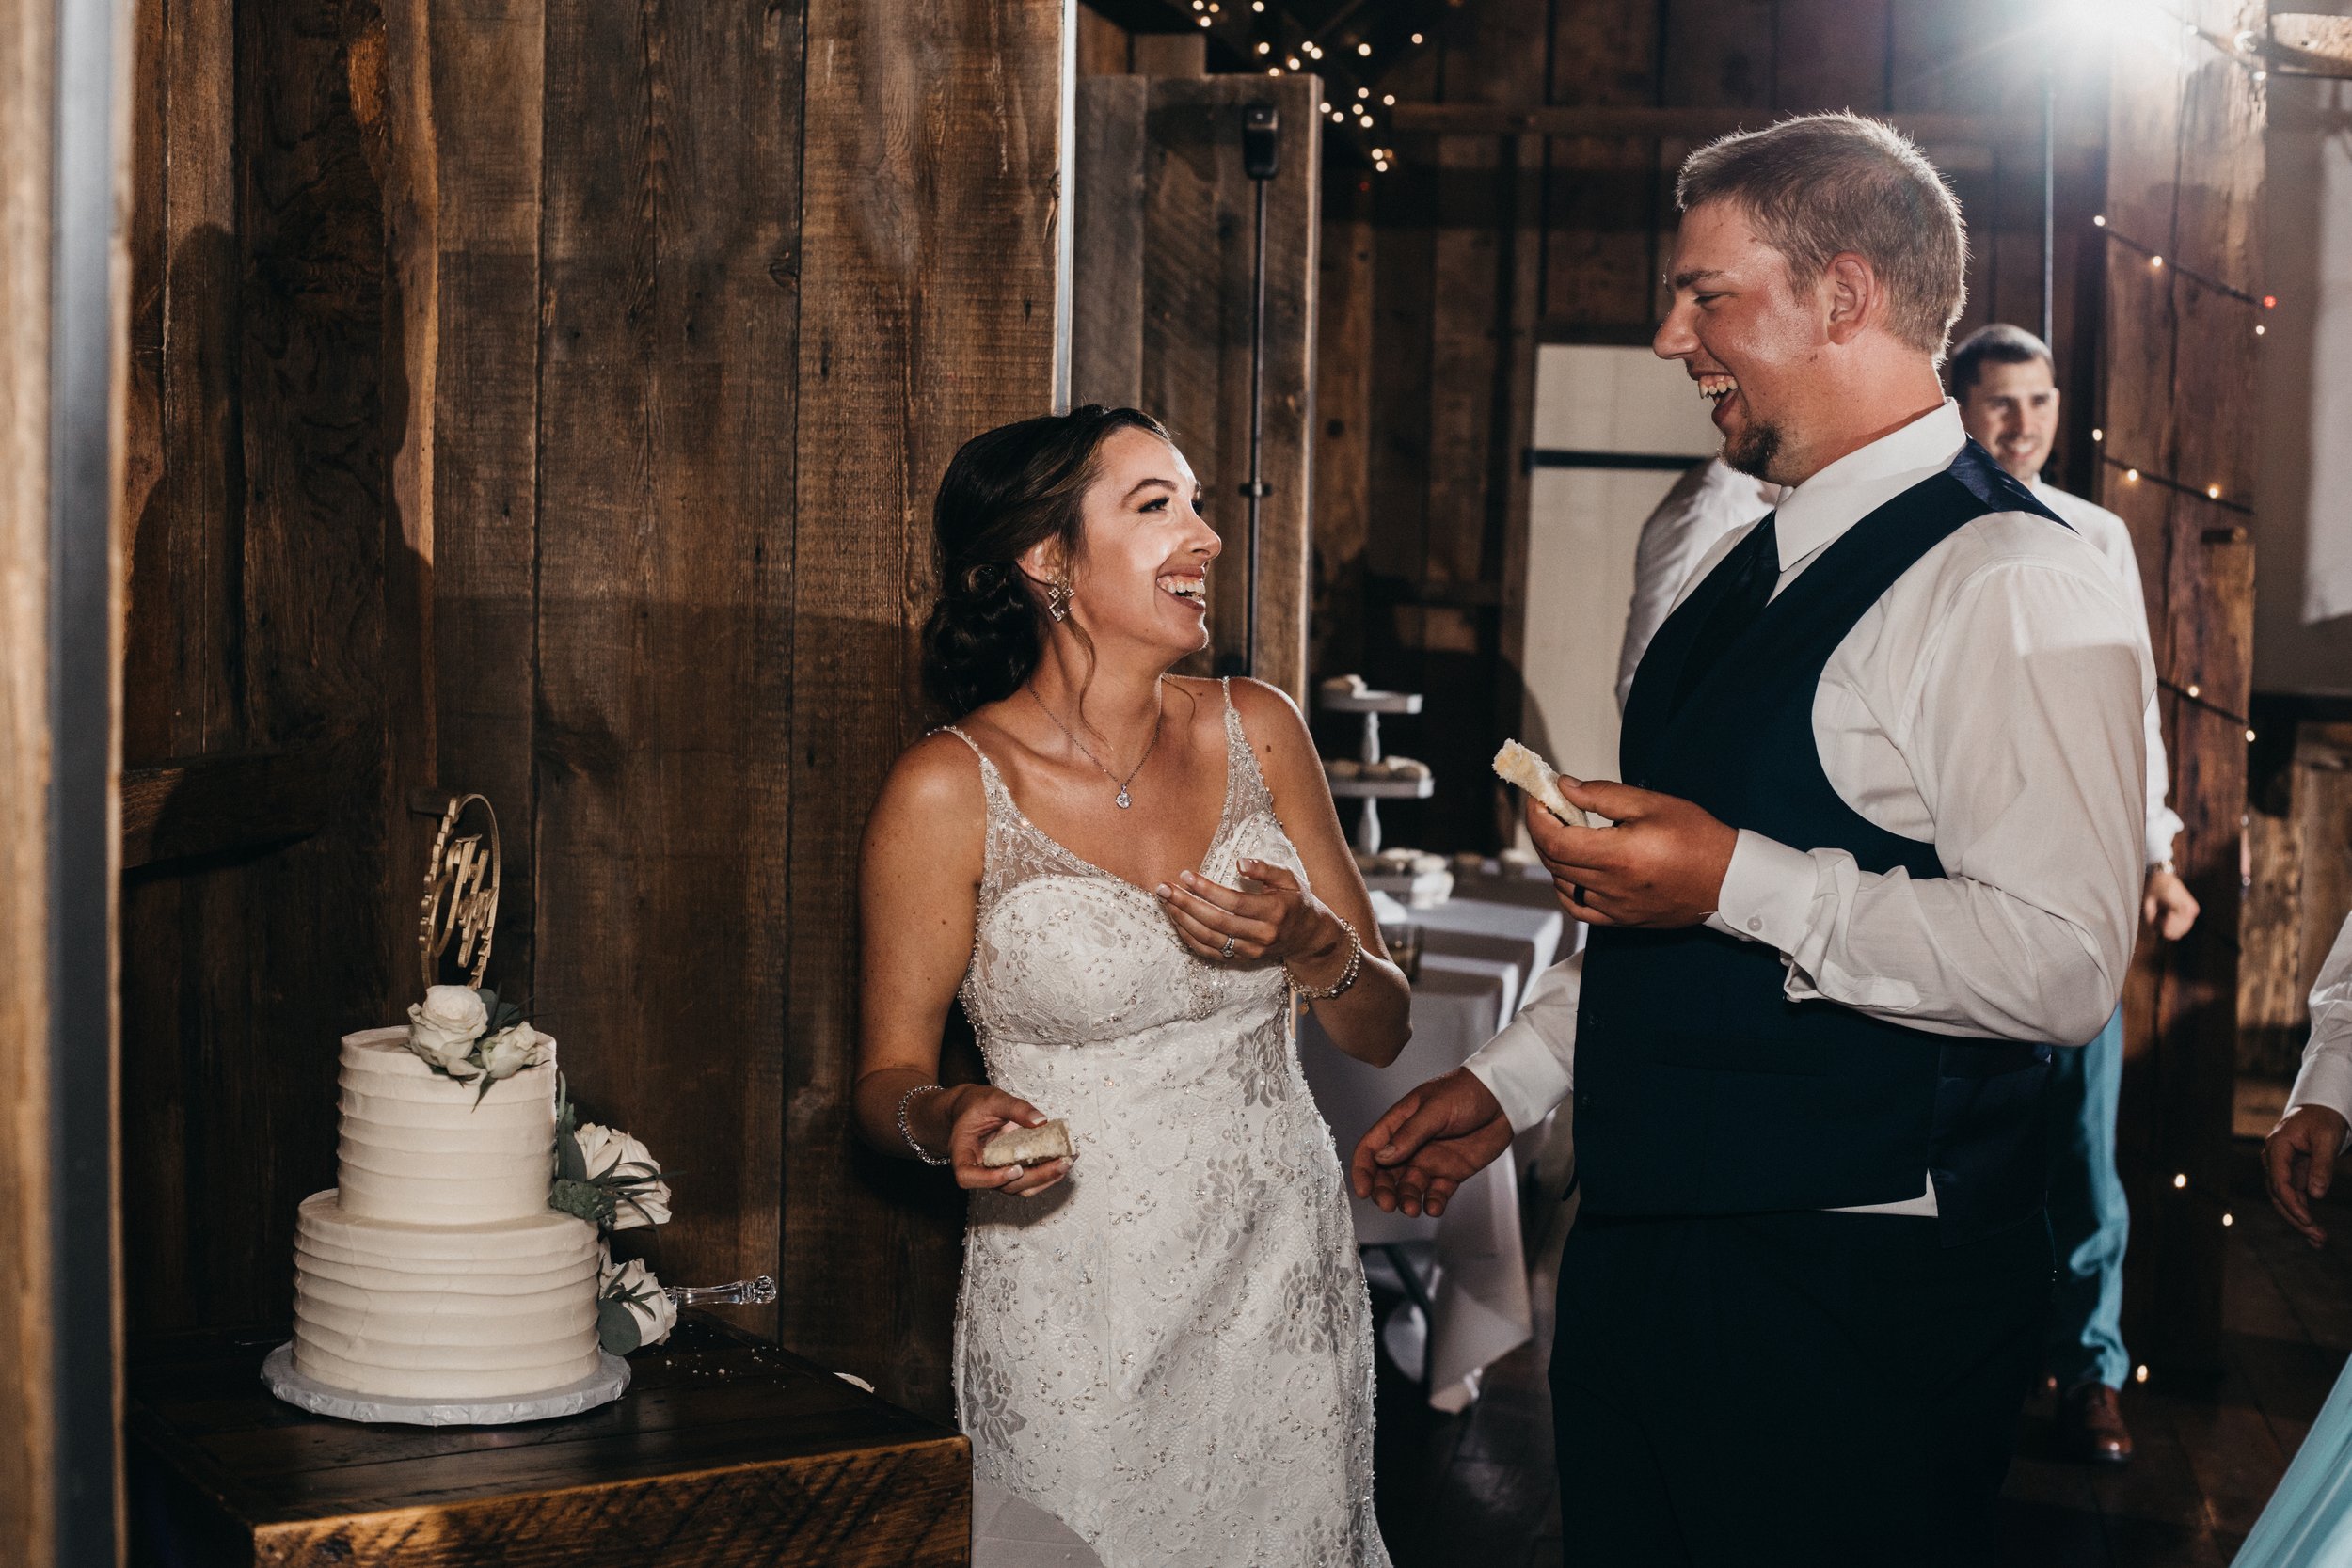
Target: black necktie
(1755, 566)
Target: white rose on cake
(632, 1289)
(512, 1049)
(444, 1027)
(625, 1168)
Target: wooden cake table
(725, 1452)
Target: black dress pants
(1829, 1390)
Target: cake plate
(601, 1386)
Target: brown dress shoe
(2091, 1426)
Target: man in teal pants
(2009, 400)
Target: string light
(2098, 435)
(2194, 691)
(2180, 1181)
(1363, 92)
(2226, 1217)
(1416, 38)
(2101, 220)
(1273, 71)
(2258, 329)
(2212, 492)
(1264, 48)
(2139, 1373)
(1327, 105)
(2132, 475)
(1292, 62)
(1205, 22)
(2270, 301)
(2250, 738)
(1389, 98)
(2154, 263)
(1364, 49)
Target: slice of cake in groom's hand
(1516, 765)
(1028, 1146)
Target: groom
(1882, 835)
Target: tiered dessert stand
(1372, 705)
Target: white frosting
(444, 1311)
(415, 1148)
(436, 1269)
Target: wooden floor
(1479, 1489)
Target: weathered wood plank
(926, 316)
(1831, 55)
(484, 73)
(665, 505)
(1108, 204)
(226, 802)
(28, 1342)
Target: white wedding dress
(1171, 1351)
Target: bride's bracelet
(908, 1133)
(1347, 975)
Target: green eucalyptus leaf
(616, 1327)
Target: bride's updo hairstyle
(1006, 491)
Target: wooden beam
(219, 805)
(63, 323)
(1688, 123)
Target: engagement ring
(1228, 949)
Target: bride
(1125, 875)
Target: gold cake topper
(460, 894)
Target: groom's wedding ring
(1228, 949)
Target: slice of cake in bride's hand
(1028, 1146)
(1517, 764)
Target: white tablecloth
(1476, 959)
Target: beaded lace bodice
(1170, 1350)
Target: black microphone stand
(1260, 159)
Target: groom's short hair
(1819, 184)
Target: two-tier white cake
(435, 1269)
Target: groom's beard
(1753, 450)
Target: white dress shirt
(1990, 703)
(2327, 1076)
(2112, 538)
(1712, 500)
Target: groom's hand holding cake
(1661, 866)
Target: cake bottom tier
(444, 1311)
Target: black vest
(1700, 1087)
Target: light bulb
(1364, 49)
(2101, 220)
(2193, 691)
(2212, 492)
(2098, 435)
(2155, 261)
(2132, 475)
(2180, 1181)
(2139, 1373)
(1390, 100)
(1416, 38)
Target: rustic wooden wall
(1166, 217)
(2182, 286)
(517, 411)
(1520, 212)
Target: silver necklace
(1123, 802)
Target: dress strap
(1250, 791)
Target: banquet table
(1477, 957)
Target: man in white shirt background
(1882, 839)
(1712, 500)
(2005, 382)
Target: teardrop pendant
(1123, 802)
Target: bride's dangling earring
(1058, 600)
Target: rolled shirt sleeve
(2025, 741)
(2325, 1078)
(1530, 1066)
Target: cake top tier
(421, 1147)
